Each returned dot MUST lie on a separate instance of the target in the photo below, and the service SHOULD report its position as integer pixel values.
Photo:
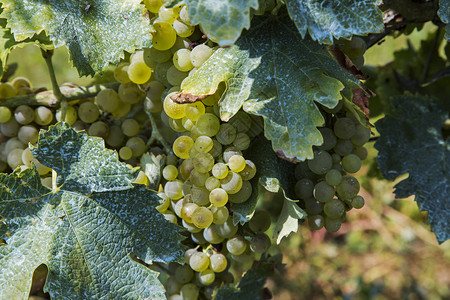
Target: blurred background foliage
(384, 251)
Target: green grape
(154, 6)
(194, 133)
(232, 183)
(333, 177)
(154, 90)
(137, 145)
(163, 203)
(260, 222)
(164, 36)
(236, 245)
(182, 60)
(20, 82)
(344, 128)
(157, 55)
(249, 171)
(189, 292)
(304, 188)
(203, 144)
(323, 192)
(241, 121)
(121, 73)
(198, 238)
(130, 127)
(137, 56)
(161, 73)
(182, 29)
(198, 178)
(329, 139)
(361, 152)
(227, 229)
(188, 253)
(355, 47)
(211, 235)
(172, 109)
(211, 183)
(220, 214)
(236, 163)
(199, 261)
(23, 114)
(208, 124)
(177, 204)
(27, 157)
(169, 14)
(220, 170)
(200, 54)
(130, 93)
(203, 162)
(213, 99)
(14, 158)
(260, 243)
(181, 43)
(343, 147)
(187, 211)
(243, 194)
(172, 286)
(170, 216)
(302, 171)
(334, 209)
(125, 153)
(153, 106)
(321, 162)
(348, 188)
(10, 128)
(357, 202)
(332, 225)
(175, 76)
(336, 158)
(316, 222)
(7, 90)
(242, 141)
(351, 163)
(88, 112)
(202, 217)
(184, 274)
(194, 110)
(227, 134)
(176, 125)
(218, 197)
(216, 150)
(5, 114)
(229, 152)
(11, 144)
(218, 262)
(313, 207)
(206, 277)
(99, 129)
(200, 195)
(43, 116)
(71, 115)
(186, 168)
(193, 152)
(184, 15)
(170, 172)
(187, 187)
(187, 124)
(121, 111)
(173, 189)
(28, 134)
(108, 100)
(361, 136)
(182, 145)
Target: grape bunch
(325, 183)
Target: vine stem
(156, 135)
(47, 55)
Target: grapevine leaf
(444, 14)
(221, 21)
(336, 18)
(152, 166)
(276, 176)
(251, 285)
(411, 142)
(83, 163)
(96, 32)
(279, 79)
(86, 240)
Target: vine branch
(156, 135)
(47, 55)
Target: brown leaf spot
(345, 62)
(361, 100)
(281, 155)
(187, 98)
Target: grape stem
(48, 98)
(156, 135)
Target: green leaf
(411, 142)
(251, 285)
(86, 240)
(276, 176)
(96, 32)
(335, 18)
(221, 21)
(152, 166)
(444, 14)
(280, 79)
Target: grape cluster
(354, 49)
(324, 183)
